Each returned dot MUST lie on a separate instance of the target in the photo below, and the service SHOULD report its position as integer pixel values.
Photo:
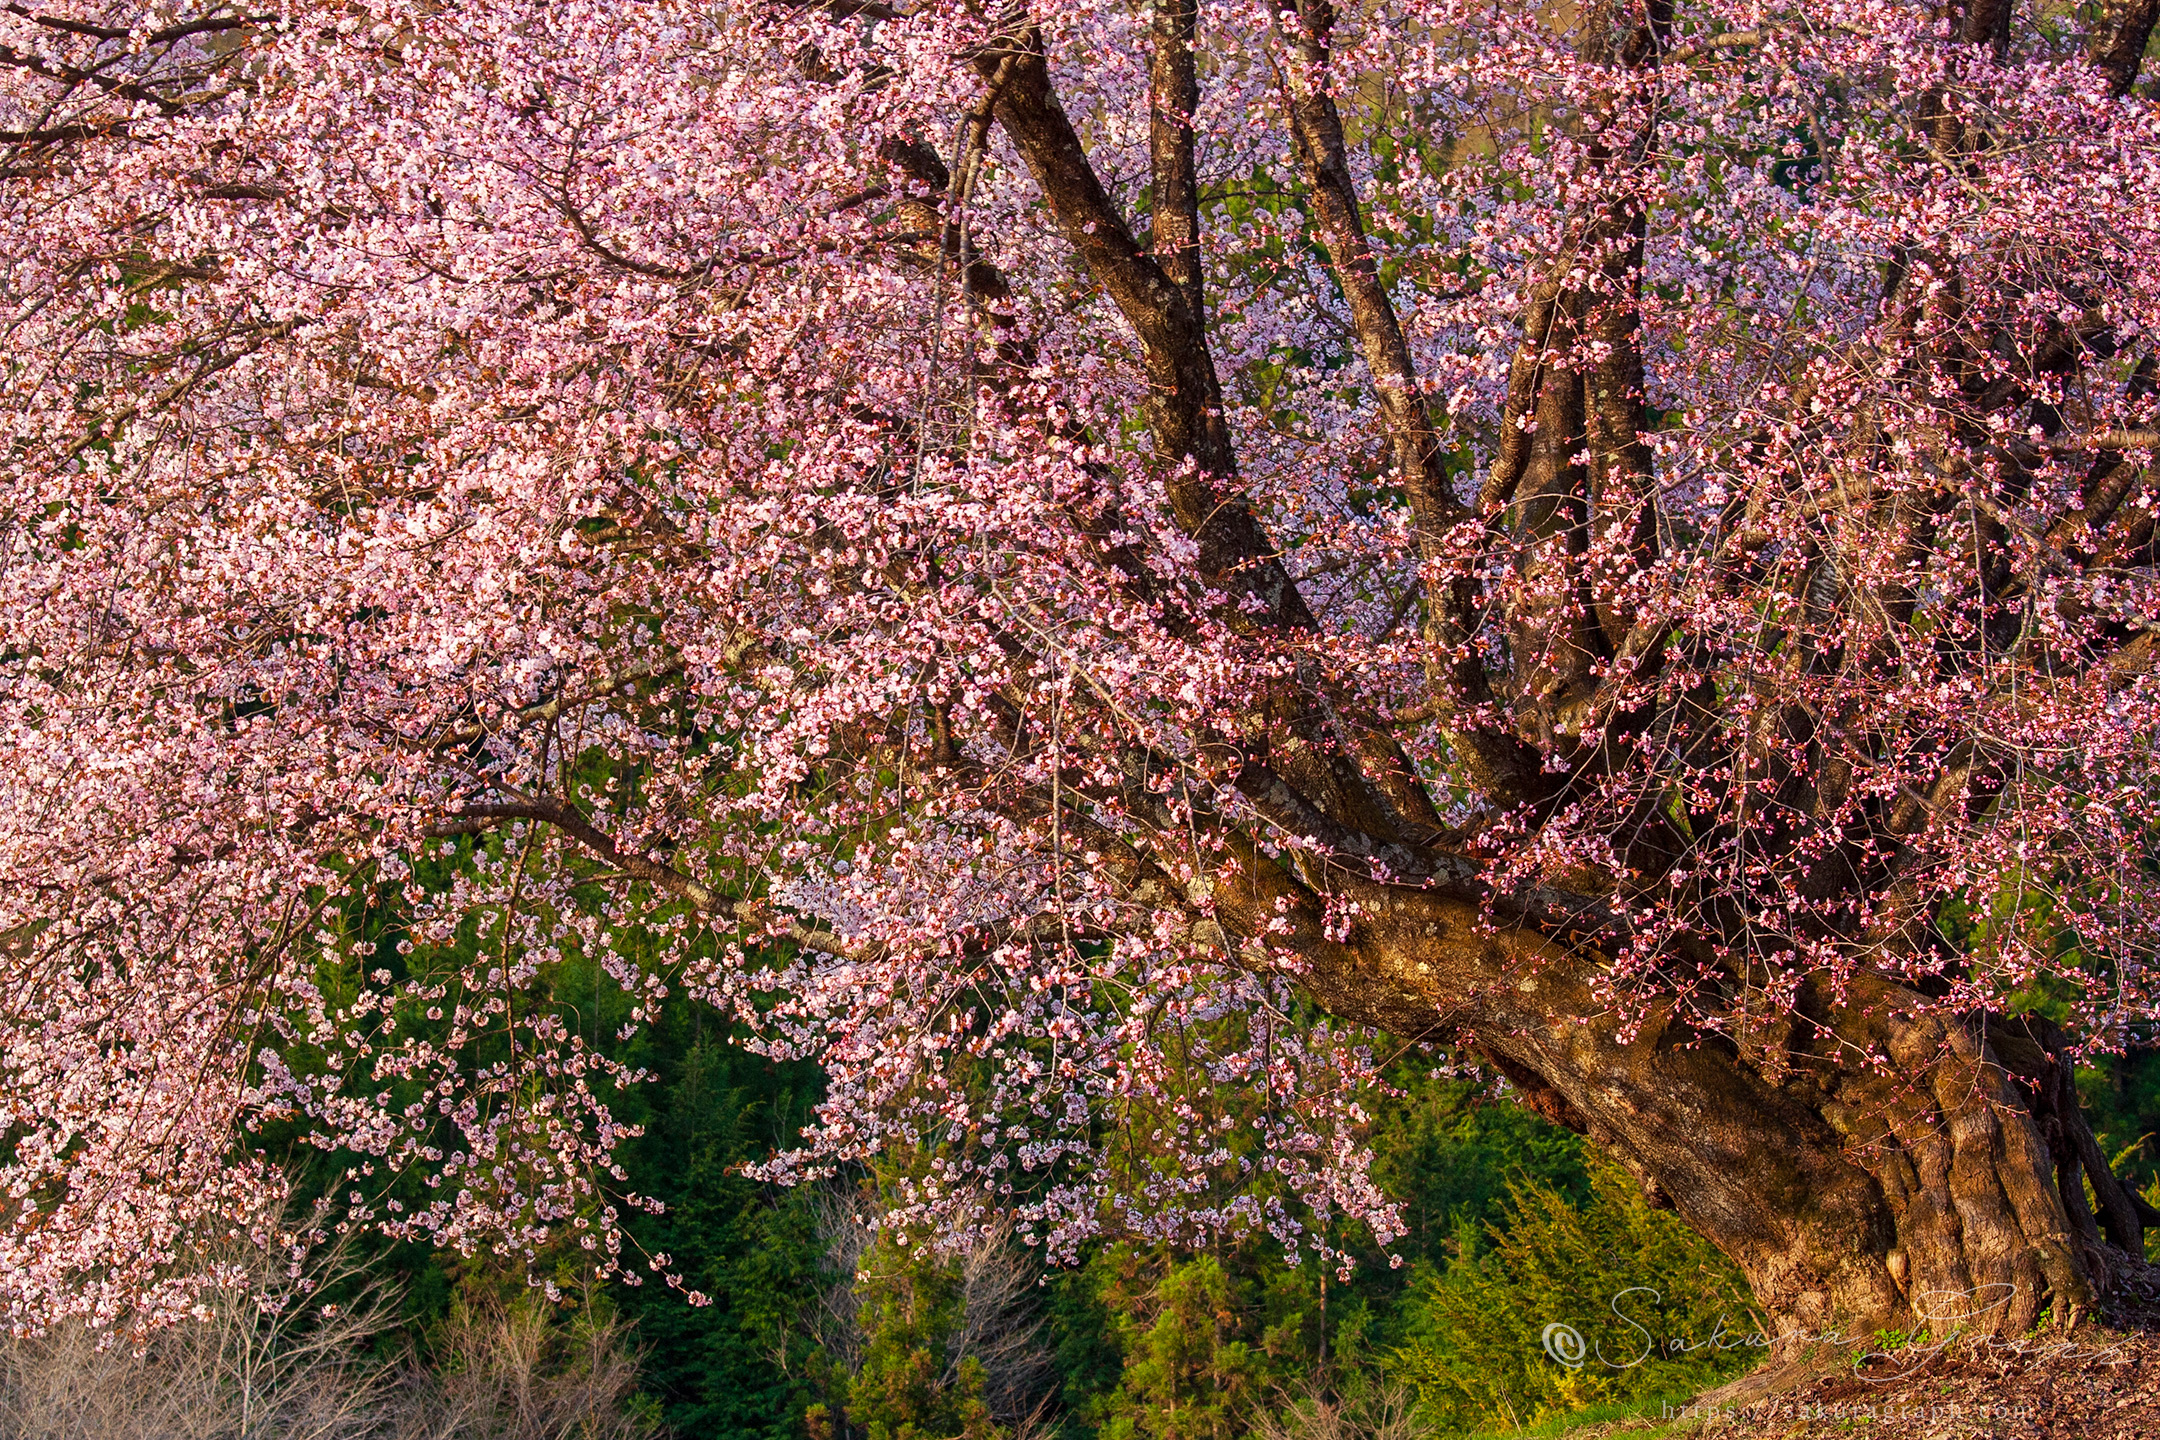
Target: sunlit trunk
(1868, 1164)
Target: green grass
(1556, 1426)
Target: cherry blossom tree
(1082, 565)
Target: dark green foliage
(743, 1365)
(1191, 1372)
(1083, 1329)
(1175, 1347)
(911, 1384)
(2121, 1096)
(1154, 1345)
(1449, 1153)
(1656, 1307)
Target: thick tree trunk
(1868, 1162)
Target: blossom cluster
(647, 484)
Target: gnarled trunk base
(1868, 1161)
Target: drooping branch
(470, 819)
(476, 819)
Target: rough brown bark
(2122, 54)
(1867, 1161)
(1924, 1191)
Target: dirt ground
(2099, 1382)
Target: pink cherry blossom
(718, 458)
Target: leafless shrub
(266, 1361)
(1381, 1412)
(510, 1371)
(271, 1363)
(1000, 1314)
(1001, 1324)
(844, 1238)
